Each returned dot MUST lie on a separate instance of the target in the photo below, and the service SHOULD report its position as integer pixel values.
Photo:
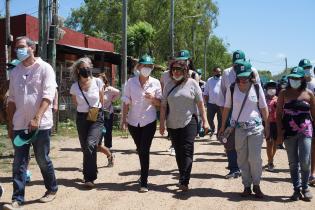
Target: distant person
(229, 77)
(211, 94)
(31, 92)
(295, 112)
(111, 94)
(271, 98)
(141, 100)
(182, 96)
(87, 95)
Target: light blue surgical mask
(295, 84)
(22, 54)
(307, 72)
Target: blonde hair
(75, 66)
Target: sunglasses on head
(177, 69)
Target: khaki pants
(248, 148)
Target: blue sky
(267, 31)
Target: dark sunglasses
(177, 69)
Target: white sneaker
(143, 189)
(173, 153)
(14, 205)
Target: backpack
(256, 86)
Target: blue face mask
(295, 84)
(22, 54)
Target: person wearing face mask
(249, 109)
(295, 112)
(178, 113)
(31, 93)
(271, 98)
(141, 100)
(86, 93)
(210, 94)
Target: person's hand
(149, 96)
(162, 129)
(205, 126)
(55, 108)
(221, 131)
(34, 124)
(123, 125)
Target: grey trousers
(248, 148)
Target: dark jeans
(41, 146)
(212, 110)
(143, 137)
(184, 148)
(108, 124)
(90, 133)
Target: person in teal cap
(295, 111)
(141, 100)
(246, 100)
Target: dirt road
(117, 187)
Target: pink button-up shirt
(28, 87)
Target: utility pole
(53, 34)
(205, 58)
(8, 38)
(286, 63)
(43, 22)
(172, 26)
(124, 44)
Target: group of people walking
(247, 113)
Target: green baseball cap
(243, 68)
(297, 72)
(25, 138)
(183, 55)
(13, 63)
(146, 59)
(305, 63)
(271, 83)
(238, 55)
(199, 71)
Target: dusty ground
(116, 188)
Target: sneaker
(280, 146)
(307, 195)
(311, 181)
(183, 187)
(143, 189)
(296, 195)
(247, 192)
(173, 153)
(110, 160)
(257, 191)
(271, 167)
(1, 191)
(89, 184)
(12, 206)
(234, 175)
(48, 197)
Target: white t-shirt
(229, 77)
(212, 89)
(250, 110)
(311, 85)
(92, 95)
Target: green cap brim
(307, 66)
(182, 58)
(18, 141)
(238, 60)
(151, 63)
(295, 76)
(244, 74)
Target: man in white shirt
(228, 77)
(31, 93)
(211, 92)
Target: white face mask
(178, 78)
(271, 92)
(136, 72)
(283, 86)
(146, 71)
(295, 84)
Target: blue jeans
(299, 149)
(41, 146)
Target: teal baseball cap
(183, 55)
(13, 63)
(238, 55)
(146, 59)
(243, 68)
(199, 71)
(297, 72)
(305, 63)
(25, 138)
(271, 83)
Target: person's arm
(55, 102)
(279, 111)
(126, 99)
(265, 113)
(10, 112)
(203, 115)
(125, 111)
(74, 100)
(116, 94)
(225, 115)
(312, 103)
(35, 122)
(162, 118)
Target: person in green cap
(295, 111)
(309, 76)
(247, 101)
(228, 78)
(141, 100)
